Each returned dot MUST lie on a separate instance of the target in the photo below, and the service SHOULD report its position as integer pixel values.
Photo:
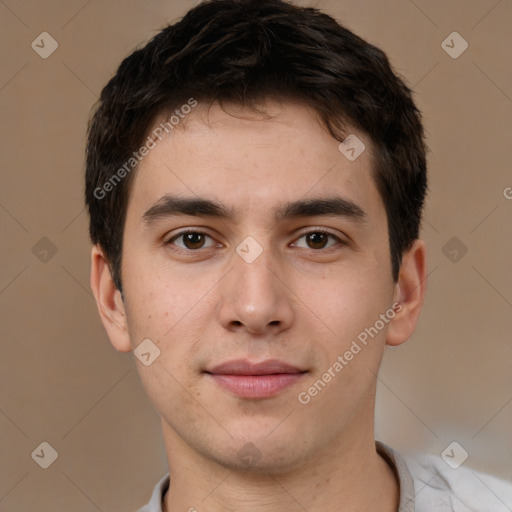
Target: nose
(254, 298)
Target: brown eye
(317, 240)
(191, 240)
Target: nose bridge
(253, 277)
(252, 296)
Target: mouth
(255, 380)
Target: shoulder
(436, 484)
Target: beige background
(63, 383)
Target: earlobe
(409, 294)
(110, 304)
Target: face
(255, 254)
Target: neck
(343, 477)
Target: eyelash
(188, 231)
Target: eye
(191, 240)
(318, 239)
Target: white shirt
(427, 484)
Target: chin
(264, 464)
(262, 456)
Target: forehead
(252, 162)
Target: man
(255, 180)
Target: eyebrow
(169, 206)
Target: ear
(109, 301)
(409, 294)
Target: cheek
(350, 351)
(160, 298)
(346, 302)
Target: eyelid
(320, 230)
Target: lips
(255, 380)
(243, 367)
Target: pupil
(318, 239)
(193, 240)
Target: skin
(297, 302)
